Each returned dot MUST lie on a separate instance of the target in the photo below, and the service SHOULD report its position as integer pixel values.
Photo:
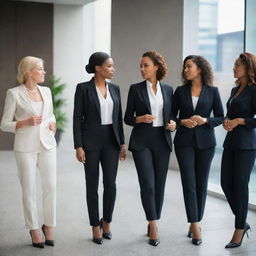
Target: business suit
(34, 146)
(150, 146)
(194, 147)
(239, 153)
(101, 143)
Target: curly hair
(205, 67)
(249, 61)
(159, 61)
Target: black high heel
(234, 245)
(47, 242)
(196, 241)
(37, 245)
(107, 235)
(153, 242)
(189, 235)
(97, 240)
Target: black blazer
(87, 118)
(138, 104)
(243, 106)
(209, 100)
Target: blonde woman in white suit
(28, 113)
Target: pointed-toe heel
(231, 245)
(37, 245)
(197, 241)
(106, 235)
(189, 235)
(47, 242)
(97, 240)
(154, 242)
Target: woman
(148, 110)
(195, 140)
(34, 144)
(99, 138)
(240, 144)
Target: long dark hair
(249, 60)
(205, 67)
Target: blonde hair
(27, 64)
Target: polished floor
(73, 234)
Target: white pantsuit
(35, 148)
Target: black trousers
(107, 156)
(152, 164)
(194, 169)
(236, 168)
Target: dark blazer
(138, 104)
(209, 100)
(243, 106)
(87, 118)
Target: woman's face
(147, 68)
(37, 74)
(191, 70)
(107, 69)
(239, 69)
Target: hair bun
(89, 69)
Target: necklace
(32, 91)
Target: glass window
(221, 40)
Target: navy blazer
(138, 104)
(243, 106)
(87, 116)
(201, 136)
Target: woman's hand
(171, 126)
(229, 125)
(31, 121)
(52, 126)
(189, 123)
(145, 119)
(199, 120)
(122, 154)
(80, 155)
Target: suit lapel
(45, 99)
(95, 95)
(114, 98)
(189, 97)
(201, 96)
(145, 95)
(164, 93)
(24, 97)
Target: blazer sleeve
(8, 124)
(250, 123)
(217, 111)
(120, 120)
(129, 117)
(78, 117)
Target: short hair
(96, 59)
(249, 60)
(159, 61)
(204, 65)
(27, 64)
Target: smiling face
(191, 70)
(107, 69)
(37, 74)
(147, 68)
(239, 70)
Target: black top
(242, 106)
(201, 136)
(87, 116)
(138, 104)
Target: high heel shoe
(97, 240)
(196, 241)
(37, 245)
(106, 235)
(47, 242)
(189, 235)
(153, 242)
(234, 245)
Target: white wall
(78, 32)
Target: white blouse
(106, 107)
(38, 106)
(156, 103)
(194, 101)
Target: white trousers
(28, 163)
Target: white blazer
(18, 106)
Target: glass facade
(221, 40)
